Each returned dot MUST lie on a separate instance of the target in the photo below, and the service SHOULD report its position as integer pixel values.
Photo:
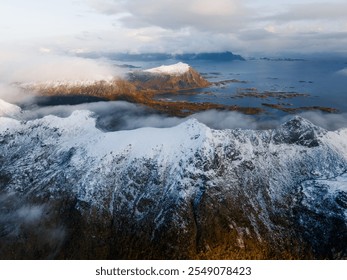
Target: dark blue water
(322, 80)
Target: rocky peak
(174, 77)
(298, 131)
(174, 69)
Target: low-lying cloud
(343, 72)
(28, 66)
(13, 94)
(120, 115)
(327, 121)
(26, 228)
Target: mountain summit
(174, 69)
(174, 77)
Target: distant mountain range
(210, 56)
(278, 59)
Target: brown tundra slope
(140, 87)
(135, 83)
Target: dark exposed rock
(298, 131)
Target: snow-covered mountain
(69, 190)
(173, 77)
(136, 87)
(166, 77)
(175, 69)
(65, 83)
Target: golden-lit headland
(143, 86)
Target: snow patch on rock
(174, 69)
(67, 83)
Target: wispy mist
(30, 66)
(27, 66)
(327, 121)
(26, 228)
(120, 115)
(343, 72)
(13, 94)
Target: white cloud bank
(26, 66)
(31, 67)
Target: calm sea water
(323, 81)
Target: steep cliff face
(69, 190)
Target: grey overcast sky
(242, 26)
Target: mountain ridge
(174, 77)
(181, 192)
